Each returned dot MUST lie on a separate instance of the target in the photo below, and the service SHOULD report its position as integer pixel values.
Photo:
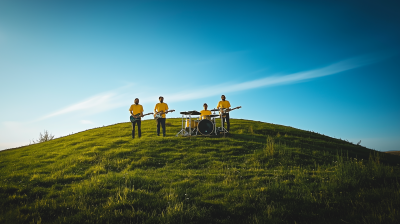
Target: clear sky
(330, 67)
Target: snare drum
(193, 123)
(208, 117)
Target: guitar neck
(143, 114)
(159, 113)
(162, 112)
(227, 110)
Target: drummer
(205, 112)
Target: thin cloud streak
(114, 99)
(300, 76)
(335, 68)
(95, 104)
(100, 102)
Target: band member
(134, 110)
(205, 112)
(224, 104)
(161, 107)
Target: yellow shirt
(161, 107)
(136, 109)
(223, 104)
(203, 113)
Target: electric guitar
(133, 119)
(226, 110)
(159, 114)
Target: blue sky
(327, 66)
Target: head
(205, 106)
(161, 99)
(223, 97)
(137, 101)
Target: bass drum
(205, 127)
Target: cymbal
(213, 115)
(193, 112)
(214, 110)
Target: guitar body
(133, 119)
(225, 110)
(159, 114)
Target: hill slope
(261, 173)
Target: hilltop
(261, 173)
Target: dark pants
(162, 122)
(139, 124)
(226, 119)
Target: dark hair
(205, 104)
(160, 97)
(136, 98)
(222, 95)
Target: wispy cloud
(118, 98)
(97, 103)
(100, 102)
(335, 68)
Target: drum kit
(205, 127)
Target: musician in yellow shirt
(161, 107)
(136, 109)
(204, 112)
(224, 104)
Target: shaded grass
(261, 173)
(394, 153)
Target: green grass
(394, 153)
(261, 173)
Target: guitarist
(224, 104)
(134, 110)
(161, 107)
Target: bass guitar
(133, 119)
(160, 113)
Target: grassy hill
(394, 153)
(261, 173)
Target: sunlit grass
(261, 173)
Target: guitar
(159, 114)
(133, 119)
(226, 110)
